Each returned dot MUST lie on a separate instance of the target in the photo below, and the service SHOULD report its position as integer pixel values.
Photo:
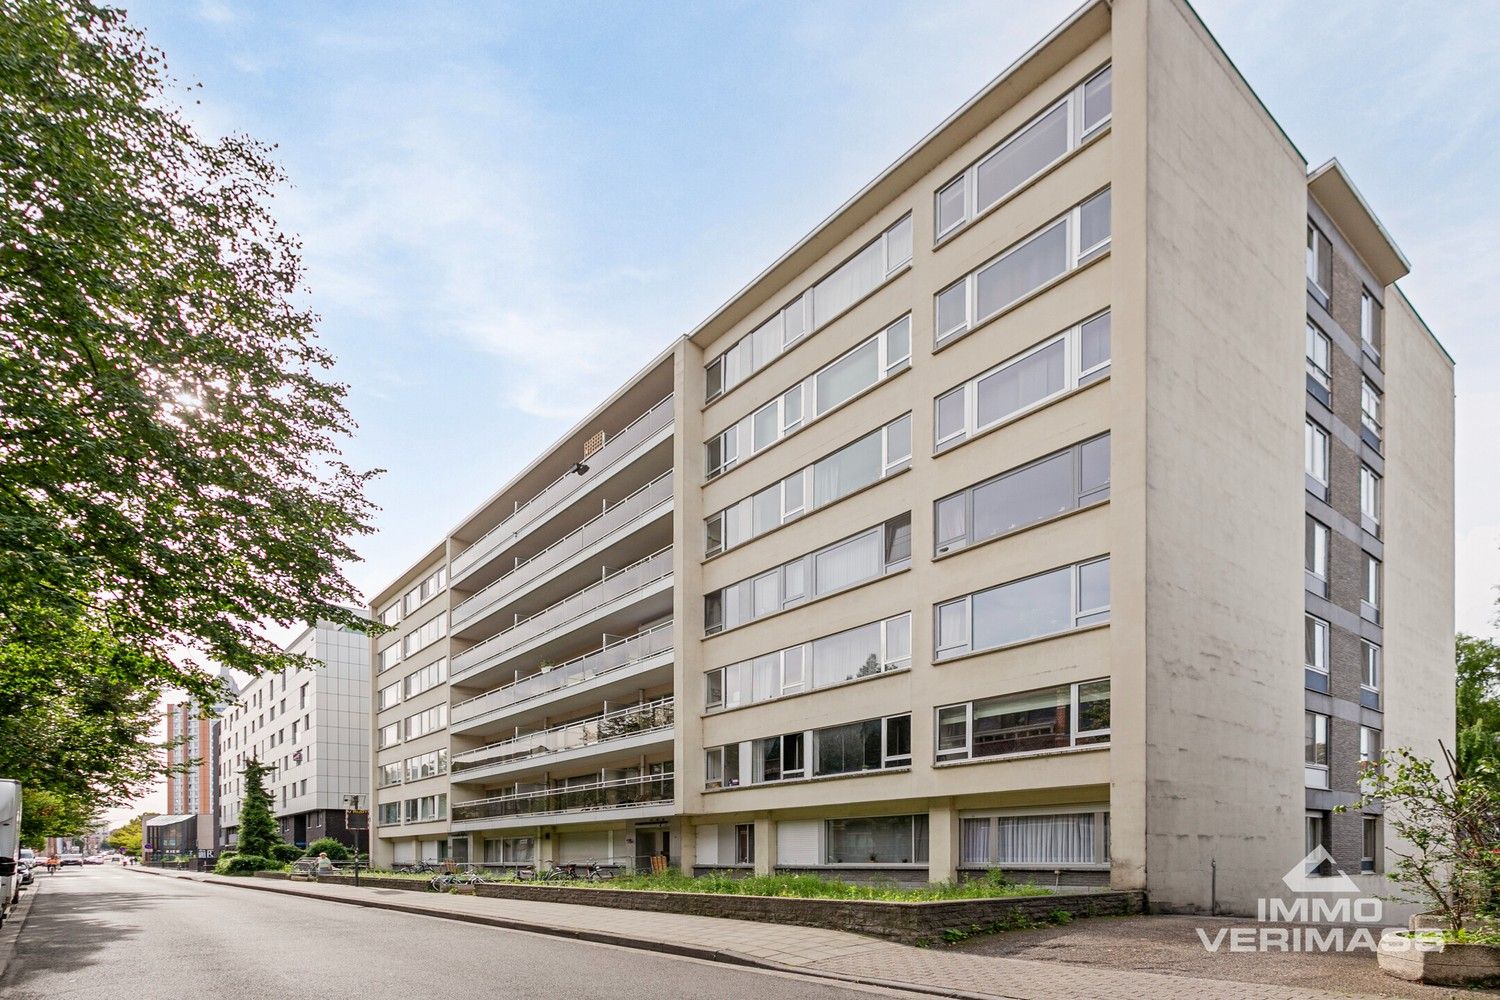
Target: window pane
(898, 540)
(767, 594)
(1058, 839)
(952, 310)
(791, 407)
(1022, 384)
(953, 625)
(950, 414)
(848, 563)
(843, 657)
(1095, 342)
(976, 841)
(849, 283)
(767, 426)
(1023, 156)
(1093, 706)
(1023, 497)
(715, 689)
(950, 206)
(898, 736)
(1023, 269)
(793, 487)
(767, 509)
(898, 641)
(1096, 95)
(1093, 461)
(1023, 723)
(1094, 222)
(898, 343)
(848, 376)
(1022, 610)
(950, 520)
(898, 441)
(1093, 586)
(952, 730)
(898, 244)
(878, 840)
(847, 470)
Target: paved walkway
(809, 950)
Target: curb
(602, 937)
(13, 926)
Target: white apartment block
(310, 725)
(1077, 500)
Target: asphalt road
(106, 933)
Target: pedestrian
(325, 864)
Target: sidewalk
(837, 955)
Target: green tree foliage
(47, 814)
(1478, 663)
(335, 850)
(127, 838)
(258, 832)
(169, 470)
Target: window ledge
(944, 661)
(1031, 755)
(815, 779)
(1100, 254)
(709, 713)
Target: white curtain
(848, 563)
(976, 841)
(1012, 388)
(844, 287)
(1023, 270)
(1059, 839)
(1026, 154)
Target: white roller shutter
(405, 852)
(590, 845)
(798, 842)
(708, 844)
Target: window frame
(1316, 773)
(1075, 732)
(1081, 617)
(1320, 372)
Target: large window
(883, 452)
(868, 555)
(430, 721)
(1060, 482)
(1315, 746)
(391, 614)
(879, 840)
(390, 814)
(427, 678)
(1067, 242)
(430, 587)
(878, 358)
(427, 765)
(389, 695)
(1319, 261)
(389, 657)
(854, 748)
(427, 808)
(1046, 604)
(429, 632)
(1073, 838)
(865, 651)
(1056, 718)
(1063, 362)
(1371, 324)
(391, 774)
(1319, 365)
(389, 735)
(509, 850)
(1024, 154)
(851, 281)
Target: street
(104, 932)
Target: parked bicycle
(444, 881)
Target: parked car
(27, 871)
(94, 859)
(73, 858)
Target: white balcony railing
(608, 658)
(636, 576)
(640, 429)
(622, 793)
(654, 493)
(622, 723)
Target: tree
(258, 832)
(127, 838)
(47, 814)
(1478, 681)
(1448, 828)
(169, 468)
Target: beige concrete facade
(596, 624)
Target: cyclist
(53, 863)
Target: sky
(507, 208)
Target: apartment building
(310, 726)
(966, 535)
(192, 759)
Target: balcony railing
(636, 576)
(608, 658)
(564, 486)
(651, 716)
(642, 500)
(622, 793)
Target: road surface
(101, 932)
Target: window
(1371, 324)
(1079, 838)
(1319, 261)
(429, 588)
(427, 808)
(426, 722)
(1369, 414)
(871, 745)
(1369, 499)
(1369, 749)
(851, 281)
(1369, 678)
(1045, 604)
(1315, 453)
(1370, 857)
(1315, 746)
(427, 765)
(1060, 482)
(1025, 153)
(427, 678)
(1063, 362)
(880, 357)
(1369, 602)
(881, 840)
(1317, 836)
(744, 843)
(390, 695)
(865, 651)
(390, 774)
(861, 746)
(1056, 718)
(390, 735)
(1315, 557)
(390, 656)
(1316, 660)
(1062, 245)
(429, 632)
(1319, 351)
(881, 453)
(391, 615)
(868, 555)
(390, 813)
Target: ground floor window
(1370, 857)
(744, 844)
(1072, 838)
(510, 850)
(1317, 836)
(880, 840)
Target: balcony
(612, 595)
(655, 494)
(601, 465)
(611, 659)
(596, 800)
(628, 730)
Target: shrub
(286, 852)
(326, 845)
(243, 864)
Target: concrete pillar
(685, 851)
(942, 841)
(546, 848)
(765, 844)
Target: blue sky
(506, 208)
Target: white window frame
(1370, 404)
(965, 755)
(1321, 628)
(1319, 369)
(1371, 662)
(1315, 453)
(1316, 775)
(1074, 255)
(787, 688)
(1372, 583)
(1371, 317)
(965, 603)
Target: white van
(10, 845)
